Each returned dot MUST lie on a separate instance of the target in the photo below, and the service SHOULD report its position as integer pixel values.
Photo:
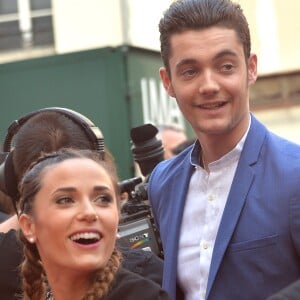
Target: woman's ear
(27, 226)
(166, 81)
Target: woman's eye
(103, 199)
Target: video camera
(137, 228)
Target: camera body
(137, 228)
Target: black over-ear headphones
(8, 180)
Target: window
(25, 24)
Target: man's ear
(166, 81)
(252, 69)
(27, 227)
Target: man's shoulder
(168, 167)
(275, 141)
(284, 146)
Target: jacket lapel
(241, 184)
(178, 191)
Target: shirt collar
(235, 152)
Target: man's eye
(227, 67)
(64, 200)
(188, 73)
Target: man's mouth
(214, 105)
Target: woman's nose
(88, 212)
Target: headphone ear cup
(3, 156)
(8, 180)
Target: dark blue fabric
(3, 216)
(291, 292)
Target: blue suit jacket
(257, 248)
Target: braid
(34, 279)
(103, 278)
(32, 272)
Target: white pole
(25, 23)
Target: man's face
(170, 139)
(210, 79)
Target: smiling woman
(69, 221)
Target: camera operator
(46, 131)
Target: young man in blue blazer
(228, 207)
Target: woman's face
(75, 216)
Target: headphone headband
(8, 181)
(93, 132)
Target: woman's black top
(10, 259)
(131, 286)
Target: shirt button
(211, 197)
(205, 246)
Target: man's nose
(208, 83)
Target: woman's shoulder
(128, 285)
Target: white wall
(86, 24)
(284, 122)
(274, 26)
(143, 19)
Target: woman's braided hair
(34, 277)
(35, 281)
(103, 278)
(32, 272)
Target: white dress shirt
(204, 206)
